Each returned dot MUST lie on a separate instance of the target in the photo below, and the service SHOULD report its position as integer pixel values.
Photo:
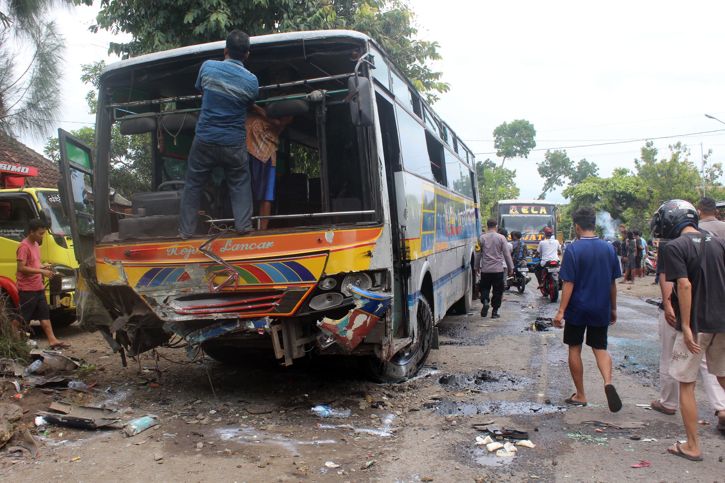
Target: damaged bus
(371, 236)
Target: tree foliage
(165, 24)
(130, 158)
(557, 168)
(633, 196)
(29, 84)
(494, 183)
(514, 140)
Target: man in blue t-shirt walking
(228, 90)
(589, 304)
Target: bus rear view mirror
(361, 106)
(287, 107)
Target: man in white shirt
(549, 249)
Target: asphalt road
(254, 422)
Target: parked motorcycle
(550, 280)
(520, 278)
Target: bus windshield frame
(323, 158)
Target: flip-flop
(60, 345)
(678, 452)
(615, 404)
(570, 400)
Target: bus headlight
(326, 301)
(360, 279)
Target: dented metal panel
(350, 330)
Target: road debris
(331, 464)
(139, 425)
(526, 444)
(81, 417)
(325, 411)
(642, 464)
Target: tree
(582, 171)
(494, 183)
(556, 168)
(668, 178)
(514, 140)
(29, 84)
(165, 24)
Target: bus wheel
(406, 363)
(463, 305)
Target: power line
(608, 143)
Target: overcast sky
(582, 73)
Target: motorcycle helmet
(672, 217)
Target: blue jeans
(203, 158)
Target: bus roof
(527, 202)
(220, 44)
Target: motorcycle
(650, 263)
(520, 278)
(550, 280)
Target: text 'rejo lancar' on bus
(372, 232)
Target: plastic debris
(78, 385)
(502, 453)
(483, 441)
(331, 464)
(325, 411)
(491, 447)
(526, 444)
(40, 421)
(139, 425)
(642, 464)
(649, 440)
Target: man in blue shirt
(589, 304)
(228, 90)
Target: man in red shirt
(31, 289)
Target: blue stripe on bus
(437, 284)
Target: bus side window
(413, 145)
(437, 162)
(389, 131)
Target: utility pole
(702, 170)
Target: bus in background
(371, 237)
(530, 217)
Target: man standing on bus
(494, 254)
(228, 90)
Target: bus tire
(464, 304)
(406, 363)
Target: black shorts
(596, 336)
(33, 306)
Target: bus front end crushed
(301, 292)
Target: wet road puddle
(482, 457)
(499, 408)
(482, 381)
(248, 435)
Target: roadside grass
(13, 342)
